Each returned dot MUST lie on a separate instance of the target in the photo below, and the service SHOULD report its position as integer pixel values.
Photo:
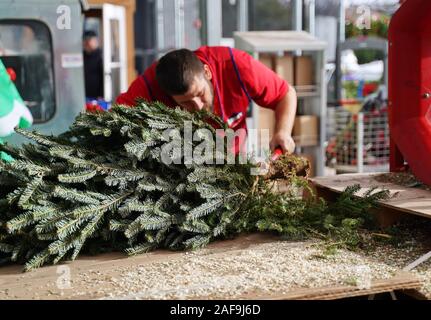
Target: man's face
(200, 95)
(91, 44)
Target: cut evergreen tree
(103, 185)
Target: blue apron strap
(217, 90)
(148, 87)
(238, 75)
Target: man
(221, 80)
(93, 66)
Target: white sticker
(71, 60)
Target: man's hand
(284, 141)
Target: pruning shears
(265, 165)
(276, 154)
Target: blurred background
(69, 55)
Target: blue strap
(148, 87)
(217, 90)
(238, 75)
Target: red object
(369, 88)
(347, 102)
(355, 118)
(12, 74)
(91, 107)
(381, 136)
(236, 77)
(409, 83)
(276, 154)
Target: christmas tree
(116, 181)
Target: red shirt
(237, 79)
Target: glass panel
(229, 17)
(26, 46)
(190, 32)
(327, 8)
(270, 15)
(192, 24)
(115, 40)
(168, 38)
(116, 81)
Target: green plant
(103, 185)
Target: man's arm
(285, 112)
(140, 88)
(136, 90)
(269, 90)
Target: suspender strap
(147, 84)
(238, 75)
(217, 91)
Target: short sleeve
(140, 88)
(264, 86)
(136, 90)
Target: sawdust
(405, 179)
(249, 266)
(266, 268)
(424, 274)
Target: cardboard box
(306, 131)
(266, 116)
(304, 71)
(266, 121)
(267, 60)
(284, 67)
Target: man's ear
(207, 72)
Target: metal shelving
(313, 99)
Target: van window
(26, 47)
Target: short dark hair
(176, 71)
(89, 34)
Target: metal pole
(160, 30)
(312, 17)
(179, 23)
(297, 15)
(213, 22)
(243, 15)
(360, 142)
(341, 38)
(342, 21)
(322, 112)
(418, 262)
(297, 21)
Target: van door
(114, 51)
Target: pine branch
(103, 183)
(77, 176)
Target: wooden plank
(42, 283)
(403, 199)
(401, 281)
(273, 41)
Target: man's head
(186, 79)
(91, 42)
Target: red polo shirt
(237, 79)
